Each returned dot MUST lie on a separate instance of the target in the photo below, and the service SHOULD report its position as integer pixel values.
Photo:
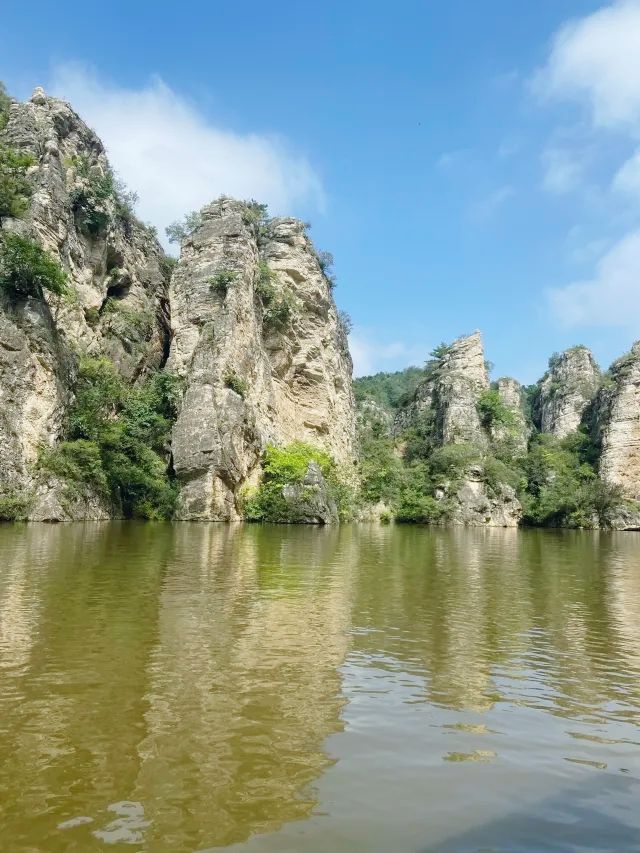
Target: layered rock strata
(257, 338)
(116, 306)
(565, 391)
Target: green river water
(194, 687)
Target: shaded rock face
(310, 501)
(619, 425)
(516, 435)
(476, 504)
(117, 304)
(565, 391)
(264, 357)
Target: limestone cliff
(449, 395)
(257, 337)
(446, 410)
(117, 301)
(565, 391)
(512, 431)
(619, 424)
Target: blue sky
(469, 164)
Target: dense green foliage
(288, 465)
(117, 440)
(555, 481)
(563, 489)
(15, 189)
(493, 412)
(389, 390)
(13, 505)
(277, 302)
(27, 270)
(89, 199)
(381, 469)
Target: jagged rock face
(516, 434)
(117, 302)
(619, 425)
(450, 394)
(475, 504)
(565, 391)
(462, 378)
(34, 381)
(252, 377)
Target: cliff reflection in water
(188, 676)
(467, 608)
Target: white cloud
(177, 159)
(611, 297)
(627, 179)
(371, 356)
(563, 170)
(596, 60)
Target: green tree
(5, 105)
(288, 465)
(15, 189)
(27, 270)
(179, 231)
(117, 439)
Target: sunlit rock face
(565, 391)
(515, 434)
(257, 338)
(619, 423)
(449, 395)
(117, 301)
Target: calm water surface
(196, 687)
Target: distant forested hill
(390, 390)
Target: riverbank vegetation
(117, 441)
(555, 480)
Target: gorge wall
(116, 306)
(154, 387)
(249, 325)
(464, 450)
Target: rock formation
(257, 338)
(473, 503)
(446, 406)
(450, 393)
(516, 432)
(619, 425)
(117, 301)
(565, 391)
(310, 501)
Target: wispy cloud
(611, 297)
(564, 170)
(484, 209)
(176, 158)
(594, 63)
(370, 354)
